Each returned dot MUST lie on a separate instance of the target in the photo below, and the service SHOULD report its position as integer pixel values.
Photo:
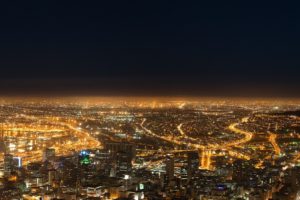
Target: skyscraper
(124, 165)
(8, 164)
(193, 164)
(169, 168)
(115, 147)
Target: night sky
(144, 48)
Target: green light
(85, 161)
(141, 186)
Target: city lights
(187, 149)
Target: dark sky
(148, 48)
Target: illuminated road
(206, 159)
(206, 151)
(168, 139)
(232, 127)
(247, 138)
(83, 139)
(272, 140)
(183, 135)
(180, 130)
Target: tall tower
(8, 164)
(2, 143)
(2, 131)
(193, 164)
(124, 164)
(170, 168)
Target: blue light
(221, 187)
(84, 153)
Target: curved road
(232, 127)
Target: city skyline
(149, 148)
(138, 100)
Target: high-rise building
(193, 164)
(8, 164)
(86, 168)
(169, 168)
(115, 147)
(123, 153)
(2, 143)
(124, 164)
(103, 161)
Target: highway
(272, 140)
(207, 150)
